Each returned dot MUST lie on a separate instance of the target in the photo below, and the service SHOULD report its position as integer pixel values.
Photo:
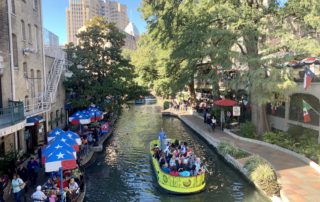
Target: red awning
(225, 103)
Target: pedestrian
(1, 189)
(205, 116)
(17, 187)
(214, 122)
(33, 169)
(22, 171)
(38, 195)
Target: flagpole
(61, 184)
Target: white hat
(39, 188)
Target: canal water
(123, 171)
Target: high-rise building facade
(80, 11)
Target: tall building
(80, 11)
(27, 84)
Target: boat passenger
(184, 173)
(73, 186)
(165, 168)
(174, 171)
(193, 170)
(162, 138)
(172, 162)
(162, 159)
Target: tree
(97, 65)
(226, 33)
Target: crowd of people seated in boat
(178, 159)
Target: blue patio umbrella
(74, 136)
(66, 139)
(54, 133)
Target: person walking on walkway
(38, 195)
(17, 187)
(33, 169)
(23, 173)
(1, 189)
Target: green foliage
(298, 139)
(232, 150)
(262, 174)
(166, 105)
(266, 179)
(7, 159)
(216, 112)
(98, 66)
(248, 130)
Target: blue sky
(54, 16)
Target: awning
(34, 120)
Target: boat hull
(176, 184)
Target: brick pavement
(299, 182)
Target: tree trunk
(192, 91)
(258, 111)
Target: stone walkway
(299, 182)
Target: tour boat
(150, 99)
(139, 101)
(176, 184)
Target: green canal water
(122, 172)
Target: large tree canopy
(206, 36)
(97, 65)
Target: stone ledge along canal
(123, 171)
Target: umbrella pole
(61, 184)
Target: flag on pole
(306, 116)
(308, 75)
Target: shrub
(263, 175)
(266, 179)
(278, 138)
(253, 163)
(227, 148)
(248, 130)
(166, 105)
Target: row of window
(24, 37)
(13, 5)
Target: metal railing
(11, 115)
(36, 105)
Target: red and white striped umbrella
(311, 60)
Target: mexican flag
(306, 115)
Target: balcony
(11, 116)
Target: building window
(23, 30)
(61, 115)
(26, 103)
(32, 83)
(15, 50)
(30, 33)
(13, 7)
(39, 81)
(25, 70)
(51, 120)
(57, 118)
(36, 37)
(35, 4)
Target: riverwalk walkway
(299, 182)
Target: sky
(54, 16)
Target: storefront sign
(236, 111)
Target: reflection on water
(124, 173)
